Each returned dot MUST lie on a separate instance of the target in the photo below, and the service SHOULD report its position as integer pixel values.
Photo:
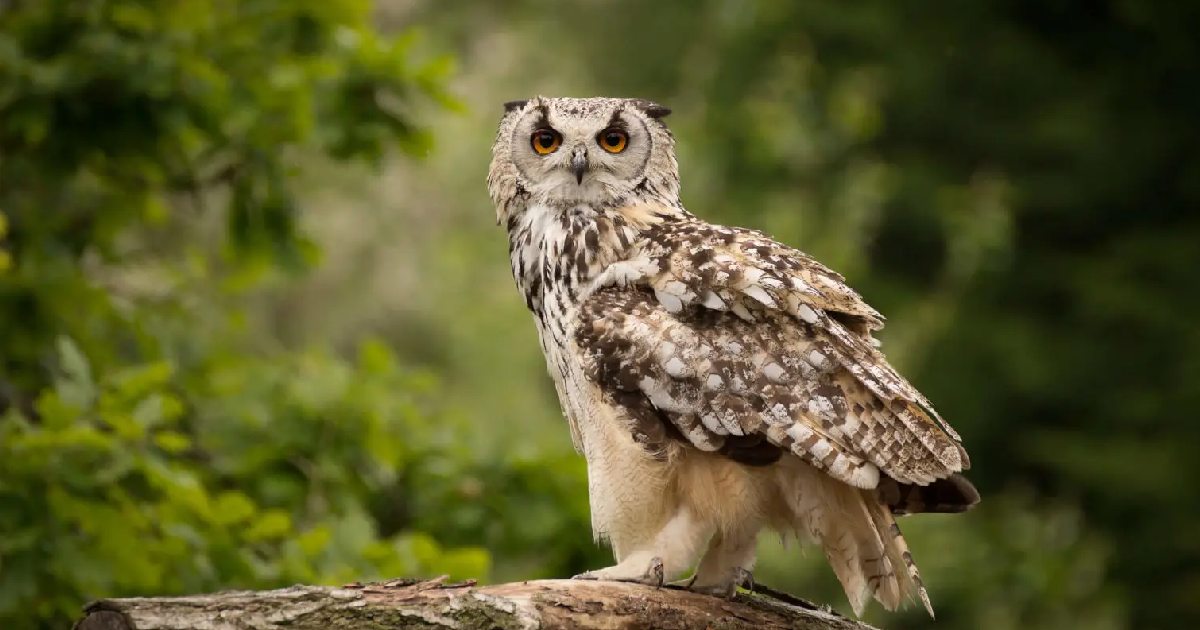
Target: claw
(655, 572)
(743, 578)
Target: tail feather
(860, 539)
(908, 576)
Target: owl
(718, 382)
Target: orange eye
(613, 140)
(545, 141)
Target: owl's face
(583, 150)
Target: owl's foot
(725, 586)
(651, 575)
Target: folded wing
(737, 340)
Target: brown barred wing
(690, 264)
(727, 385)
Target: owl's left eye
(613, 140)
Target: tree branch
(436, 605)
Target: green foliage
(235, 471)
(151, 440)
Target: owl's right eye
(545, 141)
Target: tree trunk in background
(435, 605)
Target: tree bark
(436, 605)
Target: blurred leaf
(75, 387)
(139, 399)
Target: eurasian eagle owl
(717, 381)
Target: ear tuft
(652, 109)
(511, 105)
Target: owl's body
(716, 381)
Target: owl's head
(564, 152)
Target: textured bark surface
(436, 605)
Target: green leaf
(75, 386)
(172, 441)
(232, 507)
(271, 524)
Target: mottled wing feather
(736, 269)
(734, 336)
(691, 262)
(717, 378)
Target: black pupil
(612, 139)
(546, 139)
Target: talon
(743, 578)
(586, 575)
(655, 572)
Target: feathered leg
(654, 535)
(664, 556)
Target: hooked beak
(579, 165)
